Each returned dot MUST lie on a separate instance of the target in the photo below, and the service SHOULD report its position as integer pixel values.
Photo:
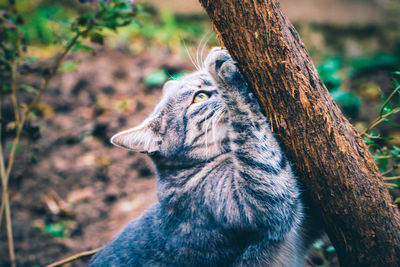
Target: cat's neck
(227, 192)
(173, 176)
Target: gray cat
(227, 195)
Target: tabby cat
(227, 196)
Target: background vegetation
(72, 73)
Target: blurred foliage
(25, 24)
(326, 252)
(333, 72)
(381, 60)
(48, 23)
(386, 154)
(156, 78)
(160, 76)
(347, 100)
(60, 229)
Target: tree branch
(341, 180)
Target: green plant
(386, 155)
(58, 230)
(110, 15)
(347, 100)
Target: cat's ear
(142, 138)
(169, 86)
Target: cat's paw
(221, 66)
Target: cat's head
(189, 123)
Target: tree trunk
(330, 158)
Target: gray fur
(227, 195)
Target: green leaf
(97, 38)
(328, 72)
(81, 47)
(30, 59)
(387, 108)
(395, 83)
(156, 78)
(136, 22)
(330, 65)
(332, 81)
(69, 66)
(330, 249)
(380, 60)
(6, 87)
(383, 164)
(348, 102)
(318, 244)
(56, 229)
(28, 88)
(17, 148)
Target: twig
(5, 200)
(391, 169)
(386, 157)
(391, 185)
(9, 232)
(20, 121)
(379, 120)
(388, 99)
(2, 168)
(14, 84)
(382, 116)
(74, 257)
(391, 178)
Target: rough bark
(333, 163)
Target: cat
(227, 195)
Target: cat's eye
(200, 97)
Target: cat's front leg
(226, 75)
(233, 88)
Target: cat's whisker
(197, 52)
(203, 42)
(171, 77)
(209, 34)
(190, 56)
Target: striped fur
(227, 195)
